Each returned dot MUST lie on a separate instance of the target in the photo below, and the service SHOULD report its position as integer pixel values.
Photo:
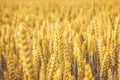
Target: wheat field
(59, 40)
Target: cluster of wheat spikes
(69, 40)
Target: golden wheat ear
(35, 53)
(118, 69)
(25, 55)
(104, 67)
(79, 57)
(67, 63)
(88, 73)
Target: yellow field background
(59, 40)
